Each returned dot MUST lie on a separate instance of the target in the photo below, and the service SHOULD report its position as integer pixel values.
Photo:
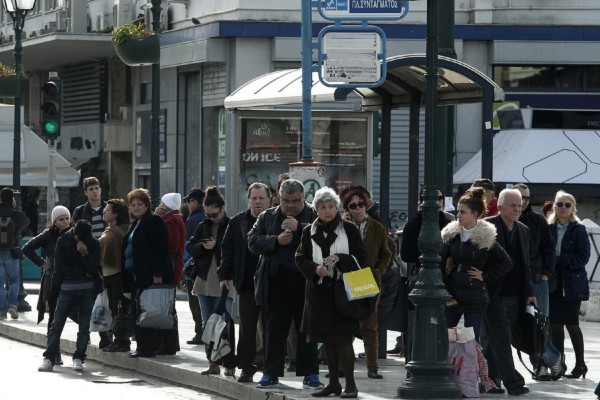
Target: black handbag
(529, 335)
(356, 309)
(190, 271)
(576, 286)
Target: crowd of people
(282, 259)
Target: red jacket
(176, 231)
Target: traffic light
(51, 107)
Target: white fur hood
(483, 236)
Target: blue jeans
(552, 355)
(208, 305)
(9, 267)
(472, 319)
(67, 300)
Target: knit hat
(59, 211)
(172, 200)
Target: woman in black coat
(146, 261)
(329, 247)
(472, 262)
(572, 254)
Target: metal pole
(306, 80)
(154, 141)
(18, 18)
(429, 368)
(51, 191)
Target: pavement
(185, 367)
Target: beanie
(172, 200)
(58, 211)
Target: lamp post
(154, 140)
(429, 368)
(18, 9)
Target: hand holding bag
(219, 335)
(353, 305)
(157, 307)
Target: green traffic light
(50, 128)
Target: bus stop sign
(347, 10)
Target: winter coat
(111, 242)
(176, 232)
(542, 246)
(409, 247)
(574, 253)
(321, 322)
(480, 251)
(150, 253)
(234, 249)
(379, 254)
(204, 256)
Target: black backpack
(7, 233)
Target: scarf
(331, 235)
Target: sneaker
(312, 382)
(46, 366)
(12, 310)
(543, 374)
(557, 370)
(77, 364)
(267, 382)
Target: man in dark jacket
(275, 238)
(93, 209)
(509, 296)
(76, 280)
(239, 264)
(542, 255)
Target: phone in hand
(205, 240)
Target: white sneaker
(77, 364)
(46, 366)
(12, 310)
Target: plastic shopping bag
(101, 320)
(157, 307)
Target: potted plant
(8, 81)
(136, 45)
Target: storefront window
(213, 146)
(558, 78)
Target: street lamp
(18, 9)
(154, 139)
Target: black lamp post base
(429, 381)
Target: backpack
(7, 233)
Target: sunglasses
(213, 215)
(561, 204)
(354, 206)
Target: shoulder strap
(528, 370)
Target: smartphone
(205, 240)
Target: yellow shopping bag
(360, 284)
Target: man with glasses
(508, 296)
(275, 238)
(542, 255)
(196, 215)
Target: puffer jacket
(480, 251)
(574, 253)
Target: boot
(213, 369)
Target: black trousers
(499, 320)
(249, 318)
(286, 303)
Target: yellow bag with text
(360, 284)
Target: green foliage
(5, 70)
(129, 31)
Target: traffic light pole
(154, 140)
(18, 18)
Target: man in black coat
(275, 238)
(509, 296)
(239, 264)
(543, 257)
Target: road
(21, 379)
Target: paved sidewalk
(185, 367)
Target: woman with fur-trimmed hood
(473, 262)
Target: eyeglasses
(354, 206)
(560, 204)
(213, 215)
(526, 198)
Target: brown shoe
(213, 369)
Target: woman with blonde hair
(568, 284)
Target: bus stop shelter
(404, 86)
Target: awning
(540, 156)
(405, 76)
(34, 157)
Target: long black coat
(150, 253)
(234, 250)
(321, 322)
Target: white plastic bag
(157, 307)
(101, 320)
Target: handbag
(156, 306)
(360, 284)
(468, 364)
(529, 335)
(355, 309)
(219, 335)
(101, 320)
(575, 285)
(190, 271)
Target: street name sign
(348, 10)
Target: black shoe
(137, 354)
(374, 375)
(362, 355)
(395, 350)
(291, 366)
(104, 343)
(195, 340)
(578, 371)
(115, 348)
(245, 377)
(349, 394)
(327, 390)
(519, 390)
(496, 390)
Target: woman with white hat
(46, 241)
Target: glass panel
(191, 93)
(593, 78)
(544, 78)
(212, 131)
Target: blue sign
(344, 10)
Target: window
(557, 78)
